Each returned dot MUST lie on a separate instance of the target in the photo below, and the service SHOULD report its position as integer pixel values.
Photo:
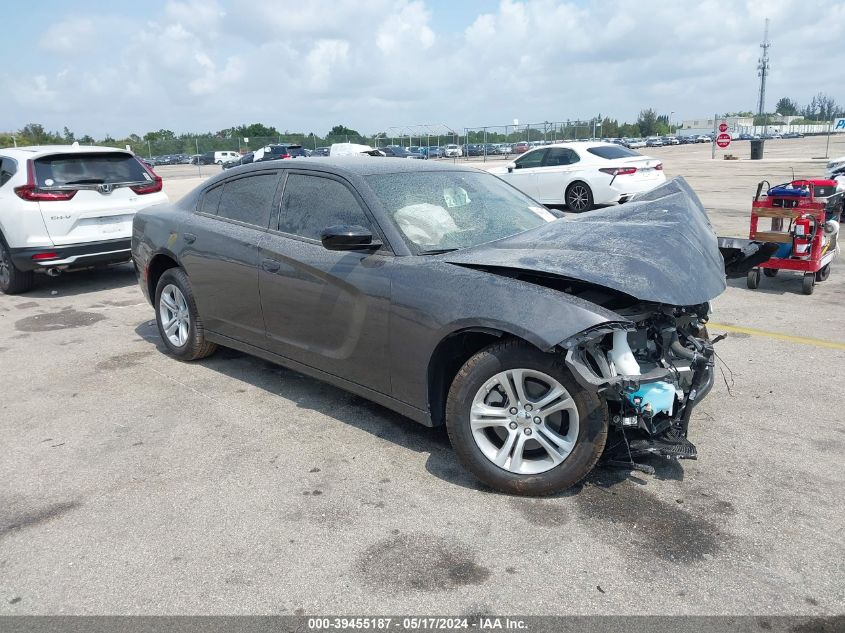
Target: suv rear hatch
(88, 197)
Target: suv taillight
(31, 193)
(152, 187)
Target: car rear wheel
(179, 323)
(579, 197)
(12, 280)
(521, 424)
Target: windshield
(448, 210)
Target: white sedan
(582, 175)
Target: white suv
(452, 151)
(65, 207)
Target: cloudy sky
(304, 65)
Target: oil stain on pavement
(420, 562)
(122, 361)
(66, 319)
(653, 526)
(11, 520)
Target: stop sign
(723, 140)
(723, 127)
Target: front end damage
(652, 368)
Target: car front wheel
(579, 197)
(179, 323)
(521, 424)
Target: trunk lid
(103, 203)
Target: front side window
(311, 204)
(249, 199)
(531, 159)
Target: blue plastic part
(783, 251)
(660, 395)
(788, 192)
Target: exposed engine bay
(652, 371)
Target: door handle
(190, 238)
(270, 265)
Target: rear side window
(211, 200)
(556, 156)
(249, 199)
(612, 151)
(311, 204)
(8, 167)
(89, 169)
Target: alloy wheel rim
(578, 198)
(175, 315)
(524, 421)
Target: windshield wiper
(437, 251)
(86, 181)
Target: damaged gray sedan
(447, 295)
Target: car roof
(36, 151)
(354, 165)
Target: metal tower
(763, 69)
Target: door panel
(222, 264)
(556, 174)
(220, 253)
(327, 309)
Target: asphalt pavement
(137, 484)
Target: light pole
(670, 122)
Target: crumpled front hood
(659, 247)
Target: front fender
(436, 300)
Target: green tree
(342, 130)
(786, 106)
(647, 122)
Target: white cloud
(208, 64)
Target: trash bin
(757, 149)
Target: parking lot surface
(137, 484)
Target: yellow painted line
(804, 340)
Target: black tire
(195, 347)
(823, 273)
(579, 197)
(809, 283)
(753, 279)
(13, 281)
(770, 272)
(592, 428)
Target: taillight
(618, 171)
(152, 187)
(40, 257)
(31, 193)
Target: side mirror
(348, 238)
(511, 167)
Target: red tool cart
(804, 218)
